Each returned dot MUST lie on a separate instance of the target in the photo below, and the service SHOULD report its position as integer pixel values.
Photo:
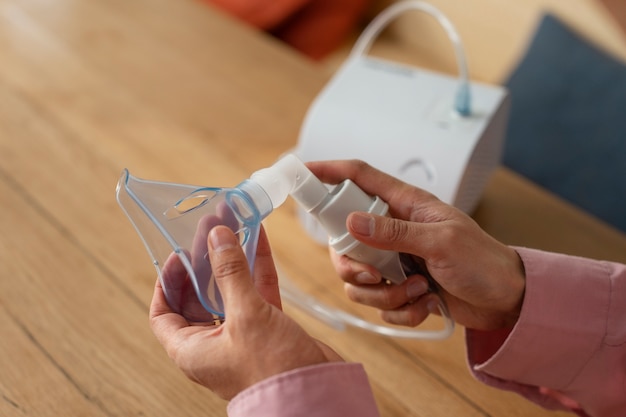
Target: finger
(265, 276)
(368, 177)
(199, 247)
(179, 290)
(388, 297)
(159, 305)
(397, 235)
(354, 272)
(410, 314)
(173, 275)
(163, 321)
(401, 197)
(232, 274)
(227, 216)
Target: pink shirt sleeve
(335, 389)
(567, 351)
(568, 348)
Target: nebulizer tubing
(340, 320)
(462, 103)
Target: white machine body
(401, 120)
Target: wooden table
(175, 91)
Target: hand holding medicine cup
(256, 341)
(481, 279)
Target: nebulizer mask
(174, 221)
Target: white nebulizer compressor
(441, 133)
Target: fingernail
(416, 288)
(362, 224)
(433, 306)
(221, 238)
(366, 278)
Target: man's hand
(256, 341)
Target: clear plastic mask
(174, 221)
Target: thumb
(387, 233)
(232, 273)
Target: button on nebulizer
(174, 221)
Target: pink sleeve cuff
(570, 337)
(566, 299)
(334, 389)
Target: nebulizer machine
(447, 143)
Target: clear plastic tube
(463, 98)
(340, 320)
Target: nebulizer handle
(331, 207)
